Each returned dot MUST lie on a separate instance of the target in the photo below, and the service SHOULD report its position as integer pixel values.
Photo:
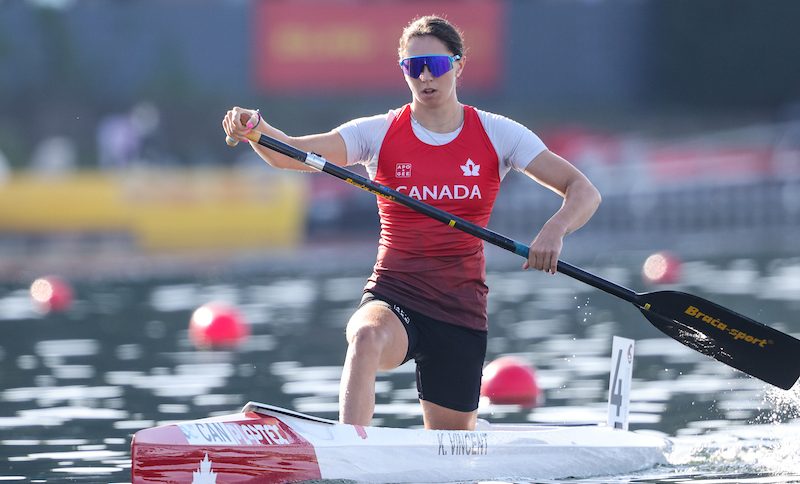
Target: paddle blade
(727, 336)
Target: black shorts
(449, 358)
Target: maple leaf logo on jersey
(470, 168)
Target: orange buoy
(510, 381)
(51, 294)
(661, 268)
(217, 324)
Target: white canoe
(269, 444)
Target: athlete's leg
(449, 368)
(376, 341)
(442, 418)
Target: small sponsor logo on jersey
(402, 170)
(470, 168)
(399, 311)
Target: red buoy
(661, 268)
(51, 294)
(217, 324)
(510, 381)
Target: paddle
(702, 325)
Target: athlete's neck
(441, 119)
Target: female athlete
(426, 297)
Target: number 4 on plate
(619, 385)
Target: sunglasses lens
(437, 64)
(413, 67)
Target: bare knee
(375, 335)
(367, 339)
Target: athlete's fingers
(232, 117)
(546, 261)
(235, 121)
(552, 264)
(227, 125)
(231, 129)
(244, 116)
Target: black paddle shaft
(704, 326)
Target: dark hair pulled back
(434, 26)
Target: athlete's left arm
(581, 200)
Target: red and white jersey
(422, 263)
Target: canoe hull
(268, 444)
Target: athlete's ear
(460, 66)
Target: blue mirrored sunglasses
(437, 64)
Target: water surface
(76, 385)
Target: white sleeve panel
(516, 145)
(363, 138)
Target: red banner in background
(324, 45)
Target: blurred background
(685, 114)
(116, 182)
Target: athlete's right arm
(329, 145)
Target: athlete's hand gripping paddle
(255, 118)
(706, 327)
